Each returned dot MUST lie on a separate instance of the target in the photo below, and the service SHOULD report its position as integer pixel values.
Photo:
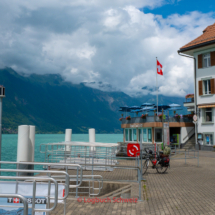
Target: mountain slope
(53, 105)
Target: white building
(202, 50)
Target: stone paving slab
(184, 189)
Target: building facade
(149, 130)
(202, 50)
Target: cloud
(104, 42)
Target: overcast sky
(111, 41)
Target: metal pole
(0, 125)
(162, 129)
(49, 192)
(156, 86)
(198, 157)
(139, 180)
(68, 191)
(76, 184)
(92, 170)
(33, 199)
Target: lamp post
(2, 95)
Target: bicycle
(159, 161)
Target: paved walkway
(184, 189)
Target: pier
(184, 189)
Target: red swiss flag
(15, 200)
(133, 149)
(159, 68)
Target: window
(135, 134)
(126, 134)
(149, 135)
(146, 135)
(207, 60)
(158, 135)
(208, 139)
(207, 87)
(130, 134)
(140, 134)
(145, 139)
(208, 116)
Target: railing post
(33, 199)
(76, 193)
(198, 157)
(85, 156)
(106, 159)
(141, 165)
(17, 174)
(139, 181)
(92, 170)
(49, 193)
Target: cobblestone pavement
(184, 189)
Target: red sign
(133, 149)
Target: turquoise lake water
(9, 143)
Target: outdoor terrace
(148, 119)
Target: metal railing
(136, 168)
(78, 154)
(48, 172)
(78, 178)
(90, 179)
(35, 179)
(155, 119)
(48, 165)
(177, 154)
(24, 201)
(98, 159)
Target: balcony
(189, 104)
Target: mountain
(52, 105)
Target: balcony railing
(189, 100)
(156, 119)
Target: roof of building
(208, 36)
(189, 96)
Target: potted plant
(128, 118)
(190, 116)
(143, 116)
(160, 116)
(177, 117)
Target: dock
(184, 189)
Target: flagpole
(157, 85)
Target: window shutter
(200, 88)
(213, 86)
(200, 59)
(212, 58)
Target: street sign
(195, 118)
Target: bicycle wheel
(145, 166)
(161, 169)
